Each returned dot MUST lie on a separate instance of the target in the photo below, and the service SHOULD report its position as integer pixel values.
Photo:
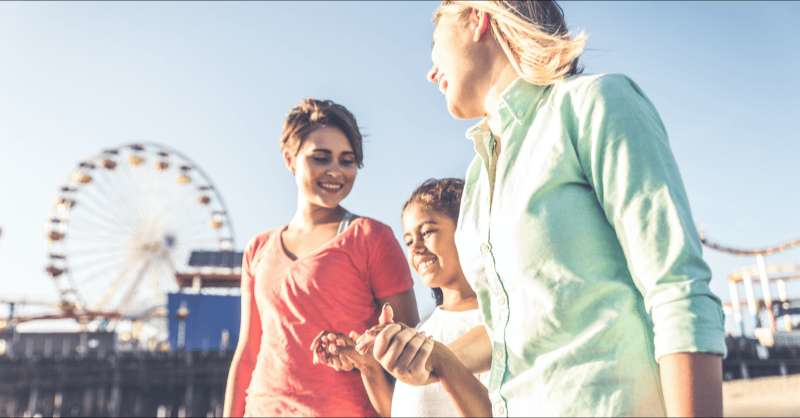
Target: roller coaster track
(764, 251)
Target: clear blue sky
(214, 80)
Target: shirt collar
(515, 103)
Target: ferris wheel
(125, 221)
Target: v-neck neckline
(288, 255)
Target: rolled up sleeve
(624, 153)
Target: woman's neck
(501, 78)
(458, 295)
(309, 216)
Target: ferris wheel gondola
(124, 222)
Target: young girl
(429, 222)
(326, 269)
(574, 230)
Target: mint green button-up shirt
(579, 242)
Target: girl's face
(430, 239)
(324, 168)
(460, 64)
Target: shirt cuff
(694, 324)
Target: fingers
(345, 340)
(318, 347)
(421, 364)
(387, 314)
(334, 356)
(367, 339)
(315, 343)
(394, 347)
(365, 344)
(383, 339)
(410, 352)
(339, 340)
(335, 363)
(327, 346)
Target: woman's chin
(329, 200)
(458, 111)
(326, 202)
(432, 280)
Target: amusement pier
(142, 254)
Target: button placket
(498, 404)
(498, 298)
(500, 308)
(496, 378)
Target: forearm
(379, 387)
(473, 350)
(238, 380)
(467, 393)
(692, 384)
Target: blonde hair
(533, 35)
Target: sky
(215, 80)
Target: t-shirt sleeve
(387, 268)
(250, 318)
(250, 258)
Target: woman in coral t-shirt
(326, 269)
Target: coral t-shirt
(335, 288)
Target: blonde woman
(325, 269)
(574, 230)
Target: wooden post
(766, 292)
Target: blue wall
(209, 316)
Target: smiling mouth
(330, 187)
(426, 264)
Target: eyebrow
(430, 222)
(327, 151)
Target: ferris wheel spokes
(122, 225)
(128, 295)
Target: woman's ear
(288, 160)
(482, 20)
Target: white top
(432, 400)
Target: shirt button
(499, 410)
(485, 248)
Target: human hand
(326, 348)
(401, 350)
(337, 351)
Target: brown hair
(532, 33)
(312, 114)
(442, 196)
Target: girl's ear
(289, 161)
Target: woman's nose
(334, 172)
(418, 247)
